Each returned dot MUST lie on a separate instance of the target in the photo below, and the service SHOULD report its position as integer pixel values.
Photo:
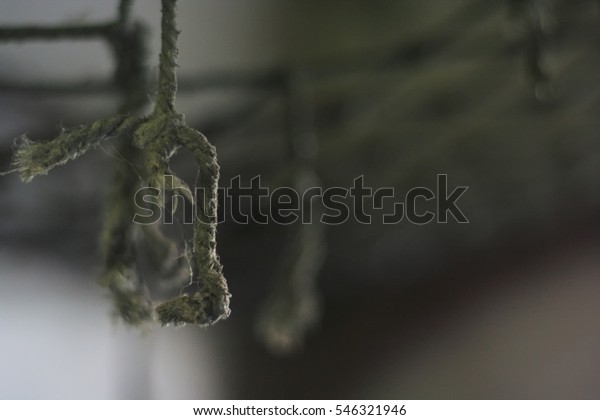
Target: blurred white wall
(57, 341)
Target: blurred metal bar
(48, 33)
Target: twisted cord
(167, 79)
(155, 140)
(210, 303)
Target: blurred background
(503, 96)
